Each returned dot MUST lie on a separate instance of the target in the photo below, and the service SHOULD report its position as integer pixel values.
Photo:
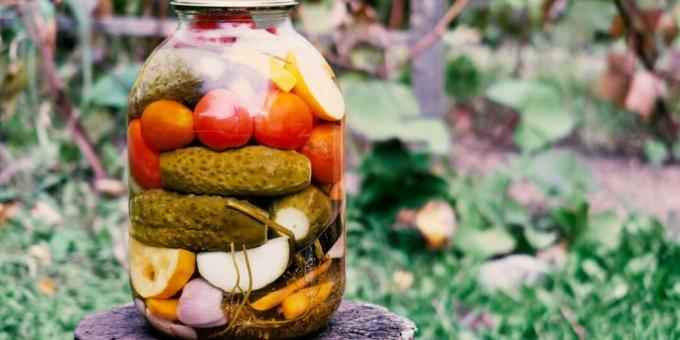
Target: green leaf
(381, 110)
(483, 244)
(108, 91)
(511, 93)
(540, 239)
(604, 229)
(543, 118)
(541, 126)
(656, 152)
(463, 79)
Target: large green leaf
(604, 229)
(543, 117)
(483, 243)
(381, 110)
(512, 93)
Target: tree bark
(352, 321)
(427, 74)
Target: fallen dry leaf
(9, 210)
(46, 285)
(110, 187)
(41, 252)
(44, 211)
(614, 83)
(403, 280)
(436, 221)
(644, 90)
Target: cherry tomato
(215, 21)
(324, 150)
(167, 125)
(222, 22)
(285, 122)
(222, 121)
(145, 163)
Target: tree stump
(352, 321)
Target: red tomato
(222, 121)
(144, 162)
(285, 122)
(215, 21)
(324, 150)
(167, 125)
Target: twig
(61, 99)
(438, 30)
(638, 39)
(429, 38)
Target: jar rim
(235, 3)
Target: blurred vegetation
(524, 75)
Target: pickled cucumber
(181, 75)
(306, 213)
(198, 223)
(248, 171)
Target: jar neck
(218, 17)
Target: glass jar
(235, 142)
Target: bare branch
(27, 13)
(430, 37)
(439, 29)
(627, 11)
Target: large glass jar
(235, 136)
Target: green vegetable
(174, 74)
(307, 213)
(197, 223)
(251, 170)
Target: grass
(631, 290)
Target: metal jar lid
(235, 3)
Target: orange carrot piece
(305, 299)
(166, 309)
(295, 305)
(275, 298)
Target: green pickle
(310, 211)
(251, 170)
(197, 223)
(169, 75)
(236, 200)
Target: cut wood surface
(352, 321)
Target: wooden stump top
(352, 321)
